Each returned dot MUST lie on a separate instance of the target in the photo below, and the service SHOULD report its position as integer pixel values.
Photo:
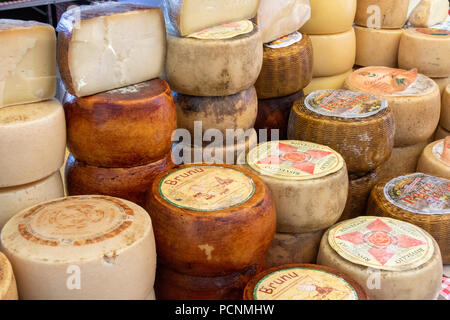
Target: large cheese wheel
(408, 269)
(86, 247)
(8, 287)
(334, 53)
(414, 99)
(357, 125)
(285, 69)
(308, 181)
(442, 83)
(444, 121)
(125, 127)
(126, 183)
(211, 220)
(385, 14)
(419, 199)
(331, 82)
(433, 161)
(428, 50)
(441, 133)
(32, 142)
(428, 13)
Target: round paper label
(294, 160)
(285, 41)
(224, 31)
(206, 188)
(434, 32)
(381, 243)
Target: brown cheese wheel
(432, 162)
(8, 287)
(385, 14)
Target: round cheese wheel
(287, 68)
(428, 50)
(445, 109)
(125, 127)
(385, 14)
(442, 83)
(332, 82)
(213, 67)
(359, 126)
(303, 282)
(309, 183)
(434, 161)
(211, 220)
(390, 259)
(414, 99)
(8, 287)
(419, 199)
(237, 111)
(441, 133)
(85, 247)
(32, 142)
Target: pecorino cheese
(441, 133)
(435, 159)
(384, 14)
(428, 13)
(110, 45)
(444, 121)
(331, 82)
(8, 286)
(125, 127)
(86, 247)
(32, 142)
(287, 66)
(442, 83)
(27, 62)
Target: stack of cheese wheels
(444, 122)
(417, 198)
(213, 224)
(334, 44)
(390, 259)
(82, 247)
(435, 159)
(309, 184)
(8, 287)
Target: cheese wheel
(419, 199)
(428, 13)
(214, 67)
(413, 98)
(126, 183)
(444, 121)
(333, 54)
(357, 125)
(428, 50)
(285, 69)
(32, 142)
(382, 41)
(332, 82)
(303, 282)
(211, 220)
(442, 83)
(433, 162)
(15, 199)
(86, 247)
(408, 269)
(8, 287)
(441, 133)
(309, 183)
(385, 14)
(236, 111)
(293, 248)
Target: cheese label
(438, 149)
(434, 32)
(344, 103)
(381, 243)
(443, 25)
(303, 284)
(285, 41)
(206, 188)
(224, 31)
(294, 160)
(419, 193)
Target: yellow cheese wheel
(384, 14)
(331, 82)
(441, 133)
(444, 121)
(442, 83)
(8, 287)
(433, 161)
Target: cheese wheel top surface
(26, 113)
(6, 276)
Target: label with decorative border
(433, 32)
(224, 31)
(303, 284)
(419, 193)
(294, 160)
(206, 188)
(285, 41)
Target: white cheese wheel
(444, 122)
(433, 161)
(331, 82)
(8, 287)
(441, 133)
(428, 13)
(86, 247)
(32, 142)
(384, 14)
(442, 83)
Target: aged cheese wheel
(445, 109)
(125, 127)
(331, 82)
(309, 183)
(86, 247)
(333, 53)
(8, 287)
(211, 220)
(428, 13)
(441, 133)
(414, 99)
(212, 66)
(390, 259)
(126, 183)
(434, 161)
(359, 126)
(303, 282)
(287, 66)
(419, 199)
(442, 83)
(32, 142)
(428, 50)
(385, 14)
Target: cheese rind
(441, 133)
(428, 13)
(384, 14)
(331, 82)
(442, 83)
(430, 161)
(8, 286)
(444, 121)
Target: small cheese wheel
(377, 47)
(442, 83)
(126, 127)
(8, 286)
(441, 133)
(126, 183)
(85, 247)
(428, 50)
(211, 220)
(332, 82)
(385, 14)
(418, 281)
(333, 54)
(357, 125)
(432, 160)
(285, 69)
(428, 13)
(444, 121)
(32, 142)
(237, 111)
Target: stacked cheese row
(32, 125)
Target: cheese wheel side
(8, 286)
(387, 15)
